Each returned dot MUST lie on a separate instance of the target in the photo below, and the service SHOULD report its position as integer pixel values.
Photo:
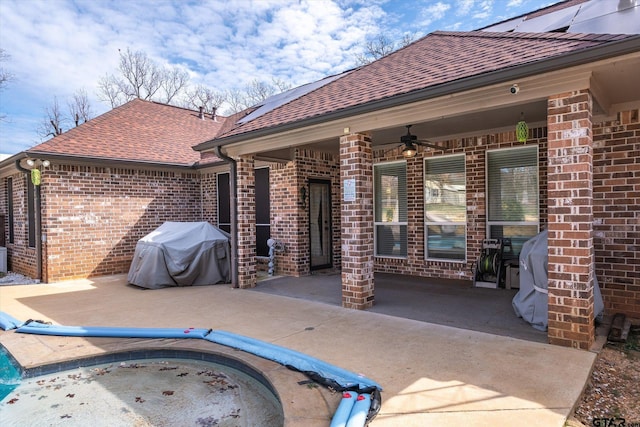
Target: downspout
(234, 213)
(37, 213)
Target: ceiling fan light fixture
(409, 151)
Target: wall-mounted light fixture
(35, 165)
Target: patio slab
(445, 302)
(430, 373)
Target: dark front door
(320, 223)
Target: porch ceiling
(614, 84)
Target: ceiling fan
(409, 142)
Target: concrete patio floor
(431, 374)
(445, 302)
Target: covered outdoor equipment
(181, 254)
(531, 301)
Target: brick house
(345, 194)
(110, 181)
(322, 169)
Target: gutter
(598, 53)
(108, 161)
(234, 213)
(38, 221)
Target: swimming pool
(9, 374)
(196, 389)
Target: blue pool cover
(318, 370)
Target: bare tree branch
(173, 82)
(109, 90)
(140, 77)
(236, 100)
(143, 76)
(52, 122)
(380, 46)
(280, 85)
(80, 107)
(257, 91)
(201, 96)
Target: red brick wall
(571, 250)
(246, 222)
(616, 164)
(94, 216)
(290, 218)
(209, 192)
(474, 149)
(356, 163)
(20, 257)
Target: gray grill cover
(531, 301)
(181, 254)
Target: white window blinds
(445, 207)
(390, 209)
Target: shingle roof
(137, 131)
(438, 58)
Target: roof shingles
(438, 58)
(139, 130)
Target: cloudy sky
(57, 47)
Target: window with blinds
(445, 208)
(513, 195)
(390, 209)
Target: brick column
(246, 206)
(356, 166)
(570, 197)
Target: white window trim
(487, 195)
(377, 223)
(426, 223)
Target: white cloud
(485, 10)
(60, 46)
(464, 7)
(433, 12)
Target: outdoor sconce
(303, 197)
(34, 166)
(522, 130)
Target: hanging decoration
(35, 176)
(522, 130)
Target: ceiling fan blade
(431, 145)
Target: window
(445, 208)
(390, 209)
(31, 213)
(224, 202)
(263, 208)
(513, 195)
(10, 208)
(263, 211)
